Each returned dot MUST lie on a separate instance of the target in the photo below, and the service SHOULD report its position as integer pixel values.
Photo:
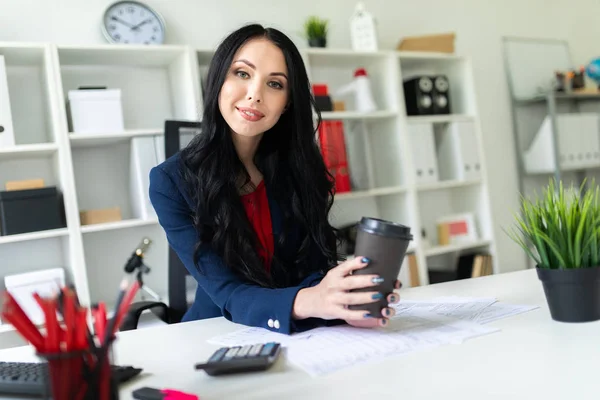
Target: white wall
(479, 24)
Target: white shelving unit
(165, 82)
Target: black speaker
(441, 94)
(418, 95)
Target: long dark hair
(293, 170)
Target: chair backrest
(177, 276)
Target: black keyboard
(27, 378)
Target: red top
(256, 205)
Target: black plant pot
(317, 42)
(573, 295)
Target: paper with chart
(481, 310)
(325, 350)
(418, 325)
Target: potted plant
(561, 232)
(315, 30)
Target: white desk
(532, 357)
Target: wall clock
(133, 22)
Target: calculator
(236, 359)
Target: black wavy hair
(293, 169)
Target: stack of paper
(417, 325)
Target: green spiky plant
(563, 229)
(316, 28)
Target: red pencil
(13, 312)
(126, 303)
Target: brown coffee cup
(384, 243)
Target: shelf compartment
(336, 70)
(107, 253)
(156, 82)
(436, 204)
(43, 164)
(456, 69)
(30, 73)
(117, 225)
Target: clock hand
(121, 21)
(140, 24)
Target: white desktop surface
(532, 357)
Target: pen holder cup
(79, 375)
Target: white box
(96, 111)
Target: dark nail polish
(367, 315)
(388, 312)
(399, 285)
(384, 322)
(377, 296)
(393, 298)
(365, 260)
(377, 280)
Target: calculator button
(218, 354)
(266, 350)
(244, 351)
(276, 324)
(270, 323)
(255, 350)
(231, 353)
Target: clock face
(132, 22)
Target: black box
(31, 210)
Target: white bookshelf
(165, 82)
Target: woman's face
(256, 90)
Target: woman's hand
(330, 298)
(387, 312)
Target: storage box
(443, 43)
(95, 111)
(32, 210)
(90, 217)
(25, 184)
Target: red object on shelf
(333, 149)
(360, 72)
(320, 89)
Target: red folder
(333, 149)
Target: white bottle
(361, 87)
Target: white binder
(7, 135)
(578, 144)
(143, 158)
(425, 163)
(457, 152)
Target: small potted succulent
(560, 231)
(315, 30)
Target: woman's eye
(276, 85)
(242, 74)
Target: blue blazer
(220, 292)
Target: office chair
(177, 306)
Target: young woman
(245, 205)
